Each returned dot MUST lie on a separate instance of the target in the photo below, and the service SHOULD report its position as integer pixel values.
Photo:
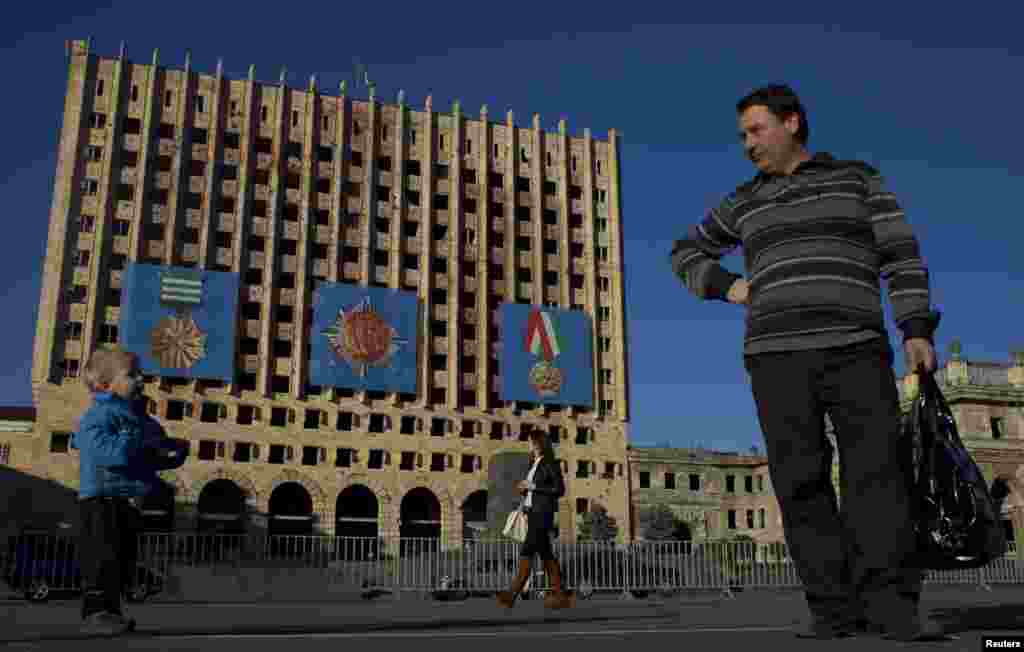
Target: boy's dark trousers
(108, 549)
(857, 564)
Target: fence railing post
(983, 584)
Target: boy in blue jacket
(121, 449)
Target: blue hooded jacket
(121, 449)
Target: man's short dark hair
(782, 102)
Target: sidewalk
(59, 620)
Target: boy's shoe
(105, 623)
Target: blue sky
(933, 99)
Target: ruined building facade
(291, 188)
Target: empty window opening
(279, 417)
(437, 462)
(247, 415)
(408, 461)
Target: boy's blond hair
(105, 364)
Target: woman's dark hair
(782, 102)
(541, 438)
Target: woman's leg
(558, 598)
(526, 553)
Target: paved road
(754, 619)
(610, 637)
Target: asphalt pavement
(755, 618)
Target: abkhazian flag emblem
(542, 341)
(180, 288)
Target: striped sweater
(815, 244)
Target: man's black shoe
(826, 632)
(921, 632)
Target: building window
(408, 461)
(645, 480)
(760, 483)
(86, 223)
(750, 519)
(694, 482)
(108, 333)
(582, 469)
(996, 424)
(73, 330)
(730, 484)
(60, 442)
(437, 462)
(748, 484)
(343, 457)
(731, 519)
(70, 368)
(670, 481)
(244, 452)
(761, 519)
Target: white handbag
(515, 525)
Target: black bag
(957, 522)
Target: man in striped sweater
(817, 234)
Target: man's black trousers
(857, 563)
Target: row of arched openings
(221, 509)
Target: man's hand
(523, 485)
(919, 351)
(739, 292)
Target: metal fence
(405, 565)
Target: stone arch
(316, 492)
(472, 498)
(416, 539)
(379, 488)
(222, 512)
(243, 481)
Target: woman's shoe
(508, 598)
(558, 598)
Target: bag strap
(931, 399)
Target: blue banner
(364, 338)
(546, 355)
(180, 322)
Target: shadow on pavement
(1001, 617)
(270, 630)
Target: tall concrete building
(291, 191)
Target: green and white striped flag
(181, 287)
